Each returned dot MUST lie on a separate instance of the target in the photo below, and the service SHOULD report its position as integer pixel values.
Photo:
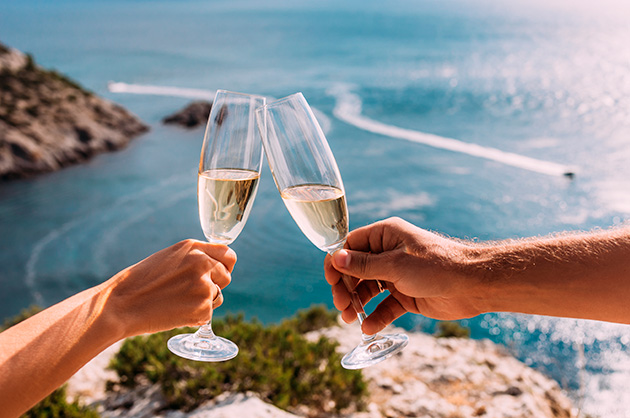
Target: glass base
(192, 347)
(374, 351)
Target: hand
(425, 274)
(175, 287)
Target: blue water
(547, 80)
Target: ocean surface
(459, 116)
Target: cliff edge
(431, 378)
(48, 121)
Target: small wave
(389, 202)
(31, 264)
(348, 108)
(110, 237)
(40, 245)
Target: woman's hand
(175, 287)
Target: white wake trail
(118, 87)
(348, 108)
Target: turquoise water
(544, 80)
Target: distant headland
(48, 121)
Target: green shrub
(451, 329)
(24, 314)
(30, 62)
(311, 319)
(275, 361)
(56, 406)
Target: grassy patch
(25, 314)
(451, 329)
(275, 361)
(56, 406)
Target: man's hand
(424, 273)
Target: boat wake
(119, 87)
(348, 108)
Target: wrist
(490, 282)
(505, 277)
(112, 310)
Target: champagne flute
(229, 170)
(306, 174)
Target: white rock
(236, 406)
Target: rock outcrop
(48, 121)
(193, 115)
(454, 377)
(431, 378)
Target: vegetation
(54, 405)
(451, 329)
(34, 89)
(275, 361)
(25, 314)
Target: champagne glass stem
(205, 331)
(357, 305)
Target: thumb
(361, 265)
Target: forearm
(578, 275)
(41, 353)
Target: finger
(341, 296)
(377, 237)
(349, 315)
(217, 300)
(367, 290)
(361, 239)
(343, 299)
(330, 273)
(385, 313)
(366, 266)
(220, 274)
(219, 252)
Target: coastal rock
(454, 377)
(431, 378)
(193, 115)
(236, 405)
(48, 121)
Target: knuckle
(394, 220)
(363, 264)
(218, 269)
(228, 278)
(231, 257)
(386, 317)
(187, 243)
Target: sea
(461, 116)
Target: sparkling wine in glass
(307, 176)
(229, 170)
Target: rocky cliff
(431, 378)
(48, 121)
(193, 115)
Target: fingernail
(342, 258)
